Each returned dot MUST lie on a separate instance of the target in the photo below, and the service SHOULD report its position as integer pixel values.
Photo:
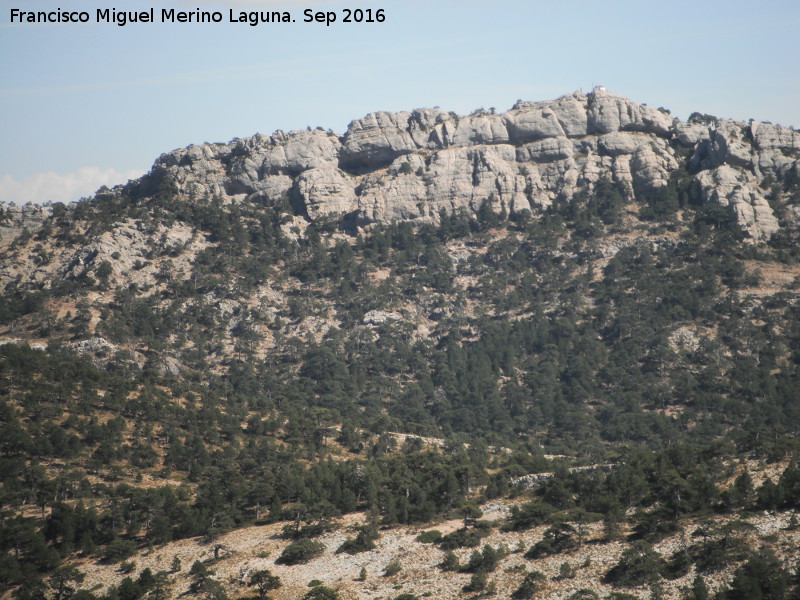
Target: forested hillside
(617, 367)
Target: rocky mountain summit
(553, 352)
(412, 165)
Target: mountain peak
(412, 165)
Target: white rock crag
(15, 219)
(727, 187)
(412, 165)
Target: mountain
(566, 335)
(411, 166)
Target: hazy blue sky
(84, 105)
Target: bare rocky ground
(258, 547)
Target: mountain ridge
(300, 346)
(411, 165)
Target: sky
(85, 105)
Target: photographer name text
(253, 18)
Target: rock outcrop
(413, 165)
(15, 219)
(728, 187)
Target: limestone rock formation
(15, 219)
(412, 165)
(376, 140)
(725, 186)
(327, 190)
(608, 113)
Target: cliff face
(15, 219)
(412, 165)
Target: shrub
(528, 515)
(301, 551)
(450, 562)
(119, 549)
(431, 536)
(532, 584)
(638, 565)
(264, 581)
(363, 542)
(393, 568)
(209, 589)
(322, 593)
(462, 538)
(566, 571)
(311, 530)
(762, 576)
(677, 566)
(476, 583)
(128, 566)
(725, 546)
(584, 594)
(484, 562)
(702, 119)
(557, 539)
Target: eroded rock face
(327, 190)
(566, 116)
(727, 187)
(610, 112)
(376, 140)
(259, 164)
(689, 134)
(651, 165)
(15, 219)
(412, 165)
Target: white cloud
(57, 187)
